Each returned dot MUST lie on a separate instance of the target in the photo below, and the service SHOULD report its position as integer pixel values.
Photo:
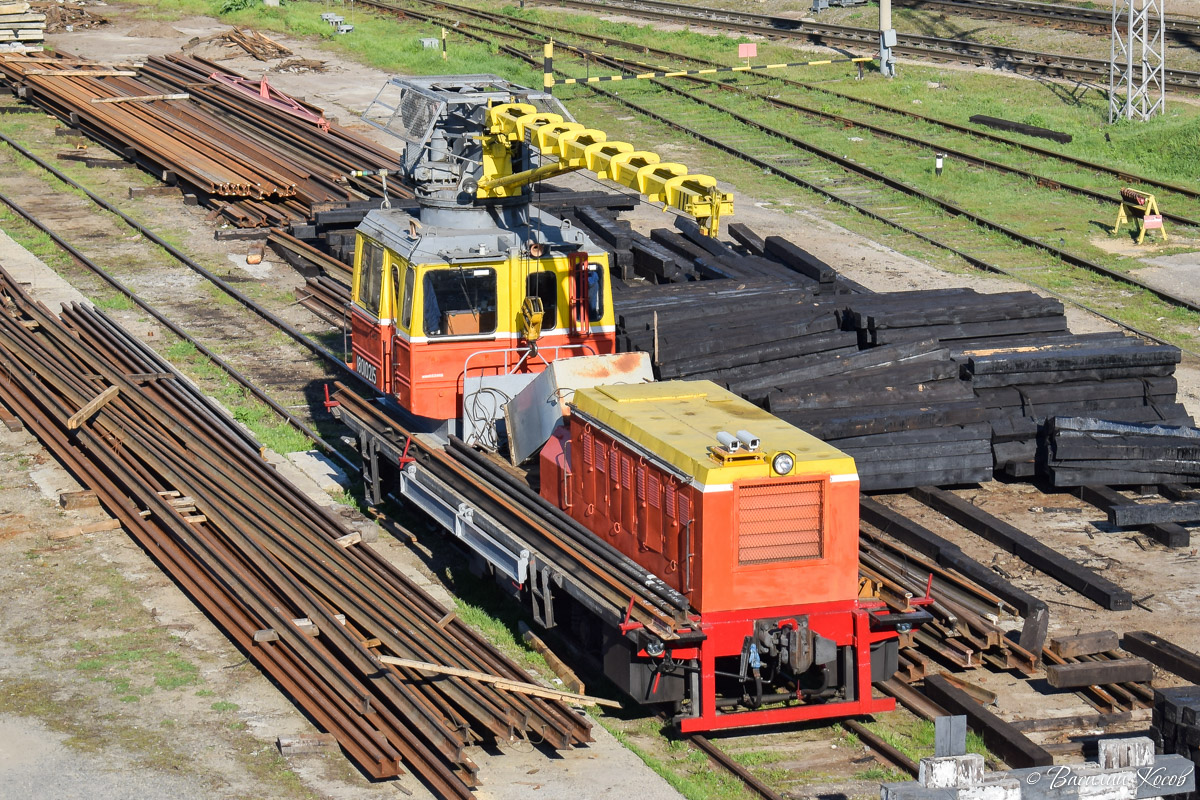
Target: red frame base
(847, 623)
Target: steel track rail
(1041, 180)
(951, 208)
(1054, 15)
(962, 155)
(225, 367)
(725, 762)
(916, 46)
(529, 29)
(797, 180)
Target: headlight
(782, 463)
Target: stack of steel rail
(610, 584)
(964, 631)
(280, 575)
(255, 160)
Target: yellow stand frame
(1145, 215)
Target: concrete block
(321, 470)
(1001, 789)
(1133, 752)
(951, 772)
(1120, 785)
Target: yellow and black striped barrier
(549, 81)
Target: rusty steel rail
(252, 162)
(281, 576)
(607, 581)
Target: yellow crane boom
(579, 147)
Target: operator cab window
(406, 302)
(460, 302)
(544, 286)
(370, 279)
(595, 292)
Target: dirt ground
(113, 685)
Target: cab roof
(679, 420)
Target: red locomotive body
(764, 543)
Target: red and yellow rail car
(759, 529)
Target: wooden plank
(83, 73)
(73, 501)
(1084, 644)
(1128, 515)
(565, 674)
(306, 743)
(1075, 722)
(349, 539)
(10, 421)
(1163, 653)
(1098, 673)
(500, 683)
(79, 530)
(1033, 552)
(1020, 127)
(1104, 497)
(144, 98)
(92, 406)
(1014, 747)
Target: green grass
(914, 737)
(268, 428)
(224, 705)
(688, 772)
(114, 302)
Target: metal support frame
(887, 39)
(479, 532)
(1137, 67)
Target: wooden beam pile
(238, 41)
(686, 254)
(900, 410)
(733, 333)
(22, 28)
(962, 318)
(1094, 665)
(1107, 375)
(1083, 451)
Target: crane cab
(442, 313)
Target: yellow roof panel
(679, 421)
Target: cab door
(403, 283)
(370, 335)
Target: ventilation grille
(780, 521)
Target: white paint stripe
(496, 336)
(853, 476)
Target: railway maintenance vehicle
(481, 319)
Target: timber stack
(1084, 451)
(22, 28)
(931, 387)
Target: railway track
(868, 107)
(977, 240)
(1051, 15)
(268, 318)
(864, 41)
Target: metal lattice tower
(1136, 86)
